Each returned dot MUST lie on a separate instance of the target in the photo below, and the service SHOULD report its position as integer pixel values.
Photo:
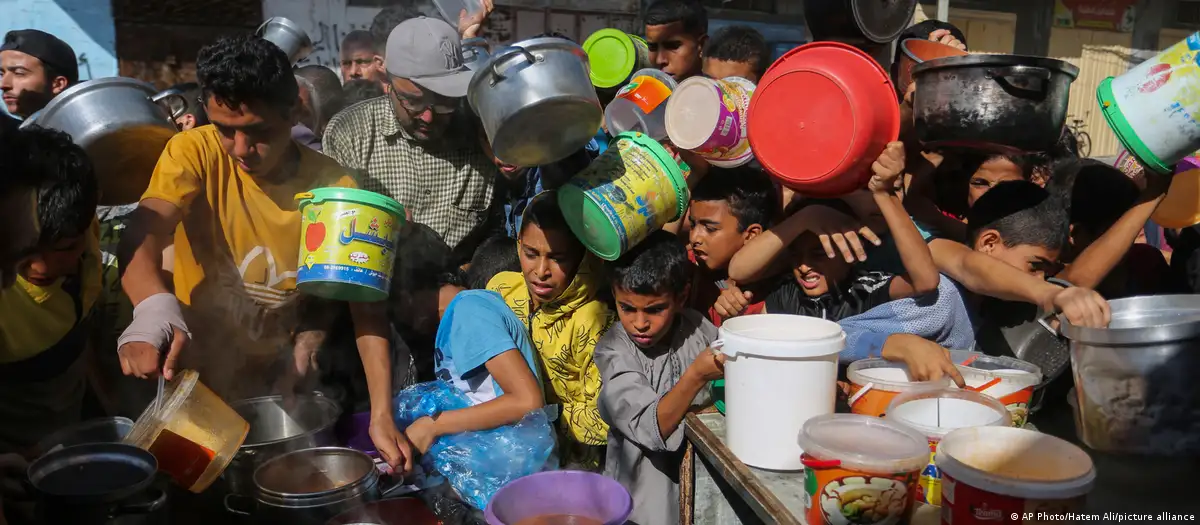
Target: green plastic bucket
(1124, 131)
(613, 55)
(347, 244)
(632, 189)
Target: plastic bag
(477, 464)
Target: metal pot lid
(272, 423)
(509, 56)
(286, 24)
(1143, 320)
(94, 471)
(86, 86)
(314, 472)
(882, 22)
(997, 60)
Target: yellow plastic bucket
(347, 244)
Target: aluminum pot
(1006, 103)
(1135, 381)
(288, 36)
(309, 487)
(276, 430)
(536, 101)
(121, 126)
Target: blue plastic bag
(477, 464)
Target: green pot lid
(612, 57)
(1124, 132)
(368, 198)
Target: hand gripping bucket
(347, 244)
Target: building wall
(87, 25)
(158, 40)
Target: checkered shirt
(447, 184)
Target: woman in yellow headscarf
(555, 295)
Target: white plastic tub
(781, 371)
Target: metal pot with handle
(120, 125)
(1135, 381)
(866, 23)
(1008, 103)
(95, 483)
(536, 101)
(288, 36)
(277, 428)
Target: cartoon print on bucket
(348, 243)
(855, 499)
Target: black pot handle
(234, 507)
(144, 507)
(1031, 78)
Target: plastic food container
(708, 117)
(588, 497)
(860, 469)
(780, 372)
(1009, 380)
(936, 413)
(992, 473)
(1181, 207)
(875, 382)
(347, 243)
(613, 55)
(193, 435)
(641, 105)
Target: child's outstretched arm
(921, 275)
(1097, 260)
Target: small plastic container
(451, 9)
(641, 105)
(1007, 379)
(875, 382)
(613, 55)
(193, 434)
(860, 469)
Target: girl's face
(990, 173)
(549, 260)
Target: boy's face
(812, 268)
(549, 260)
(713, 235)
(675, 51)
(19, 236)
(989, 174)
(719, 69)
(1034, 260)
(256, 135)
(647, 318)
(54, 262)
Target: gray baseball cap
(428, 52)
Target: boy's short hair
(750, 194)
(67, 189)
(1022, 213)
(688, 12)
(739, 44)
(358, 39)
(543, 212)
(245, 68)
(423, 260)
(494, 255)
(361, 89)
(1100, 193)
(657, 265)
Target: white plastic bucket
(641, 105)
(1153, 108)
(781, 370)
(875, 382)
(989, 473)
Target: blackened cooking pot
(95, 484)
(1007, 103)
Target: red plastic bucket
(820, 116)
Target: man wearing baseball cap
(418, 144)
(34, 68)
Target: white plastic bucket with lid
(875, 382)
(780, 371)
(995, 471)
(860, 469)
(641, 105)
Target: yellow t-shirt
(237, 248)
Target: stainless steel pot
(308, 487)
(1008, 103)
(276, 430)
(288, 36)
(1136, 385)
(536, 101)
(120, 125)
(101, 430)
(95, 483)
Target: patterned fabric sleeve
(940, 317)
(582, 414)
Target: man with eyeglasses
(418, 144)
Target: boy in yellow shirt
(225, 195)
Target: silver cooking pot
(536, 101)
(1135, 381)
(121, 126)
(308, 487)
(276, 430)
(288, 36)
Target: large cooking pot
(1135, 381)
(276, 429)
(536, 101)
(288, 36)
(1007, 103)
(862, 22)
(308, 487)
(915, 51)
(99, 430)
(95, 483)
(120, 125)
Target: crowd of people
(492, 292)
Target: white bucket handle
(862, 391)
(718, 347)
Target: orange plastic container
(820, 116)
(193, 434)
